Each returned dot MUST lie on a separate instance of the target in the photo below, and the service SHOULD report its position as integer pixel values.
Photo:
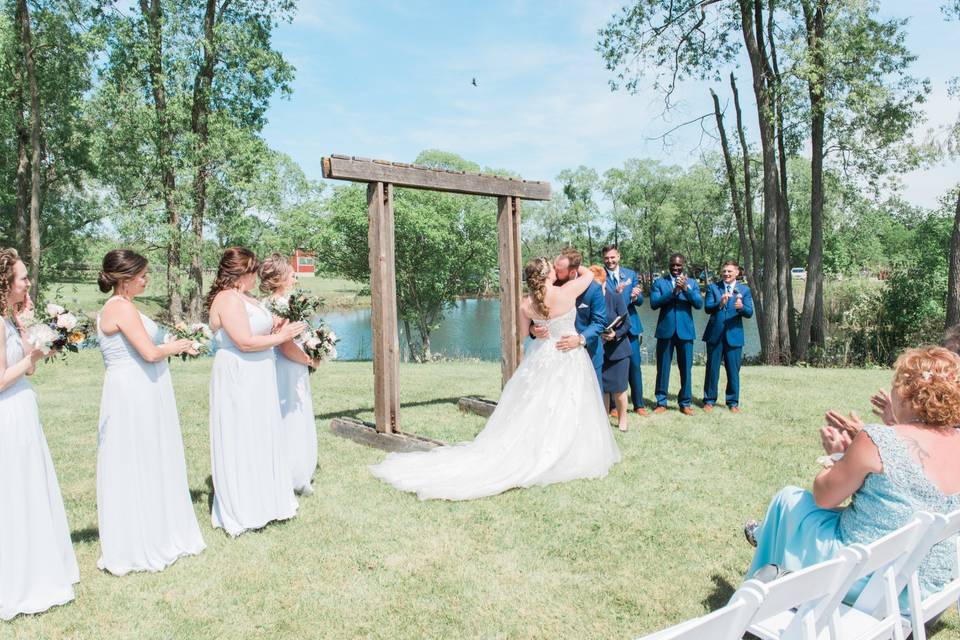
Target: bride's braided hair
(535, 273)
(235, 262)
(8, 258)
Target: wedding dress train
(549, 426)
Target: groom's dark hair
(574, 257)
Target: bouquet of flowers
(299, 306)
(57, 329)
(320, 343)
(198, 332)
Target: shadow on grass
(355, 413)
(197, 496)
(722, 590)
(90, 534)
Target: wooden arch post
(381, 178)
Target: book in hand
(616, 323)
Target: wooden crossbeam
(338, 167)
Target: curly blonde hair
(273, 271)
(535, 273)
(8, 258)
(927, 380)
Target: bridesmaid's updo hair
(535, 273)
(273, 273)
(927, 379)
(235, 263)
(119, 266)
(8, 258)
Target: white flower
(54, 310)
(168, 338)
(281, 304)
(332, 337)
(196, 327)
(331, 355)
(42, 336)
(312, 343)
(196, 346)
(66, 321)
(207, 333)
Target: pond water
(471, 329)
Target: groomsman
(591, 313)
(624, 282)
(674, 295)
(728, 303)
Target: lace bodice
(117, 350)
(888, 500)
(14, 352)
(261, 324)
(561, 325)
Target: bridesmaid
(251, 478)
(293, 384)
(37, 565)
(144, 509)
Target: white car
(799, 272)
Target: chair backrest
(941, 528)
(887, 557)
(804, 590)
(728, 623)
(923, 608)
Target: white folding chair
(789, 608)
(923, 609)
(727, 623)
(875, 614)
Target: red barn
(304, 263)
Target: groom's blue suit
(590, 323)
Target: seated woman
(889, 472)
(616, 349)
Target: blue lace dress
(796, 533)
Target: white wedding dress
(549, 426)
(299, 428)
(252, 482)
(37, 565)
(144, 509)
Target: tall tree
(952, 11)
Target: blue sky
(387, 79)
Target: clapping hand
(681, 282)
(739, 303)
(883, 407)
(851, 425)
(834, 440)
(622, 286)
(724, 299)
(635, 293)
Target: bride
(549, 426)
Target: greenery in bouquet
(55, 329)
(299, 306)
(198, 332)
(320, 343)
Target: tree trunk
(199, 117)
(753, 274)
(152, 13)
(734, 192)
(953, 279)
(813, 289)
(23, 20)
(22, 231)
(770, 336)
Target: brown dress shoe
(734, 409)
(708, 408)
(687, 411)
(660, 409)
(641, 412)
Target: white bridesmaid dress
(145, 514)
(37, 565)
(251, 478)
(299, 428)
(549, 426)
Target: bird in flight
(474, 82)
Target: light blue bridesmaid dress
(796, 533)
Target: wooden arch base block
(479, 406)
(367, 434)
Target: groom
(591, 313)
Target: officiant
(616, 348)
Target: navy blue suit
(724, 338)
(675, 330)
(590, 323)
(635, 331)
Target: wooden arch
(381, 178)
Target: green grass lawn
(658, 541)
